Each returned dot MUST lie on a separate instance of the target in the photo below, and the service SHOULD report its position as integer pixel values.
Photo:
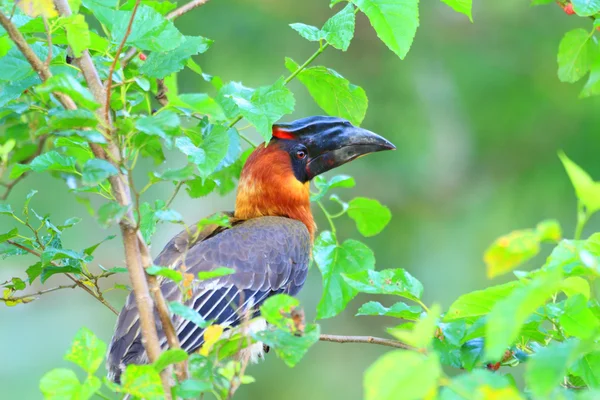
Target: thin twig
(365, 339)
(174, 194)
(71, 277)
(49, 34)
(116, 59)
(178, 12)
(37, 294)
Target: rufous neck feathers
(268, 187)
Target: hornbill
(269, 242)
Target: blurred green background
(477, 114)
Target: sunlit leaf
(288, 346)
(369, 214)
(395, 22)
(339, 29)
(142, 381)
(169, 273)
(401, 375)
(78, 34)
(161, 64)
(573, 55)
(510, 251)
(475, 304)
(396, 282)
(332, 92)
(170, 356)
(509, 314)
(588, 191)
(461, 6)
(87, 351)
(334, 260)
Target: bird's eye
(300, 154)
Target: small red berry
(569, 9)
(493, 367)
(143, 57)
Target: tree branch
(178, 12)
(365, 339)
(37, 294)
(121, 192)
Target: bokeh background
(477, 114)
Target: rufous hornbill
(268, 244)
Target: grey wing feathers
(269, 254)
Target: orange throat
(268, 187)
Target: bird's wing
(269, 255)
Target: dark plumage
(270, 255)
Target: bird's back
(270, 255)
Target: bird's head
(275, 179)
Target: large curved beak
(339, 146)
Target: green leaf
(578, 319)
(548, 366)
(9, 235)
(332, 92)
(200, 103)
(96, 170)
(192, 388)
(575, 285)
(588, 191)
(71, 119)
(509, 251)
(592, 86)
(67, 84)
(308, 32)
(188, 313)
(339, 29)
(549, 231)
(78, 34)
(87, 351)
(180, 174)
(164, 124)
(215, 273)
(49, 161)
(210, 153)
(403, 375)
(150, 30)
(333, 260)
(288, 346)
(60, 384)
(169, 273)
(475, 304)
(573, 55)
(396, 282)
(168, 357)
(586, 8)
(422, 333)
(323, 185)
(588, 369)
(169, 216)
(461, 6)
(142, 381)
(277, 309)
(395, 22)
(5, 209)
(480, 384)
(266, 106)
(509, 314)
(369, 214)
(111, 213)
(398, 310)
(161, 64)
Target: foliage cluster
(548, 318)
